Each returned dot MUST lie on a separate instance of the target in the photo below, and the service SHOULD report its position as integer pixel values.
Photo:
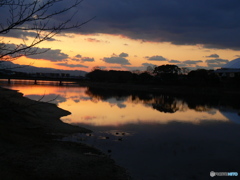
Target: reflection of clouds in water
(34, 97)
(121, 105)
(51, 98)
(114, 100)
(77, 99)
(147, 105)
(117, 101)
(60, 99)
(88, 118)
(212, 111)
(66, 120)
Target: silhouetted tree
(97, 75)
(167, 72)
(184, 70)
(110, 76)
(150, 69)
(203, 77)
(198, 74)
(96, 68)
(145, 77)
(166, 104)
(137, 71)
(167, 69)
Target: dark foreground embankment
(30, 146)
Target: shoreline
(163, 89)
(30, 149)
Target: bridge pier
(9, 81)
(35, 81)
(60, 83)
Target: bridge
(42, 78)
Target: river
(153, 136)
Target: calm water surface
(152, 136)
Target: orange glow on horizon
(99, 46)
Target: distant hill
(32, 69)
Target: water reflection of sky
(94, 110)
(153, 137)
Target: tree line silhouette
(165, 75)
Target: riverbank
(30, 145)
(163, 89)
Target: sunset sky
(132, 35)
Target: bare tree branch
(34, 16)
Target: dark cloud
(45, 18)
(156, 58)
(6, 48)
(20, 34)
(213, 56)
(87, 59)
(145, 65)
(214, 24)
(75, 59)
(121, 106)
(189, 62)
(174, 61)
(123, 55)
(5, 20)
(79, 58)
(117, 60)
(54, 55)
(72, 65)
(216, 63)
